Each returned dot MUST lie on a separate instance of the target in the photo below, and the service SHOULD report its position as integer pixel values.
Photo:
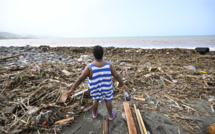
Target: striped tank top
(100, 84)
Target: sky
(108, 18)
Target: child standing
(99, 74)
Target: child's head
(98, 52)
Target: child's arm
(80, 79)
(117, 77)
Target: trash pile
(163, 80)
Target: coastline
(184, 42)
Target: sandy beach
(177, 85)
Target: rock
(91, 132)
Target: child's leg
(109, 108)
(95, 107)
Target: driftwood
(141, 120)
(210, 88)
(130, 121)
(105, 126)
(64, 120)
(140, 99)
(156, 91)
(138, 120)
(63, 97)
(8, 57)
(167, 80)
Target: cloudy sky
(108, 18)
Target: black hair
(98, 52)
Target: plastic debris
(191, 67)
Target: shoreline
(145, 42)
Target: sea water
(187, 42)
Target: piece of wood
(141, 120)
(64, 120)
(63, 97)
(9, 110)
(67, 73)
(140, 99)
(209, 88)
(211, 129)
(3, 58)
(130, 121)
(32, 109)
(105, 126)
(156, 91)
(135, 121)
(138, 120)
(152, 69)
(167, 80)
(204, 56)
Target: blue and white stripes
(100, 84)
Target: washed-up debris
(33, 95)
(211, 129)
(130, 121)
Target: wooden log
(105, 126)
(3, 58)
(138, 120)
(64, 120)
(130, 121)
(141, 120)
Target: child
(99, 75)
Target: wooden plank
(141, 120)
(135, 121)
(138, 120)
(105, 126)
(130, 121)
